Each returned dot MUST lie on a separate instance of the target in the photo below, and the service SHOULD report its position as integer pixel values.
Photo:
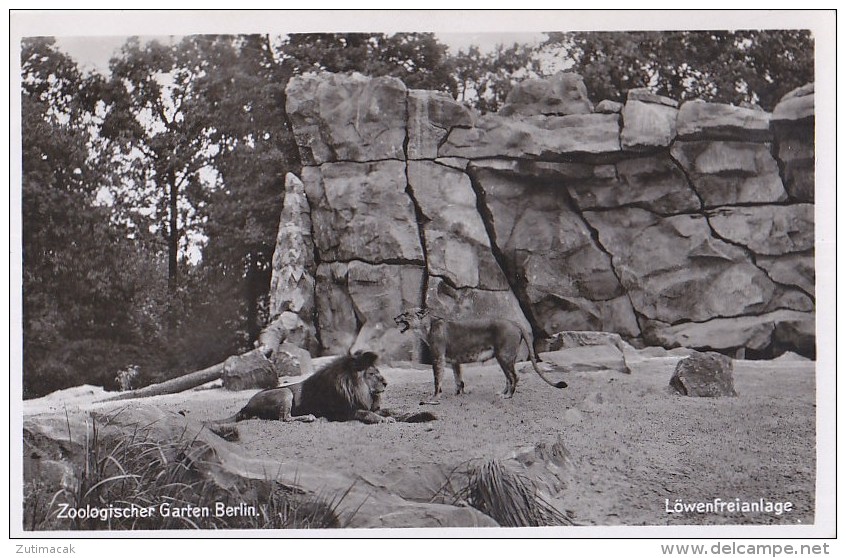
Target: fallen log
(179, 384)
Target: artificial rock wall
(671, 225)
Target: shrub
(137, 472)
(510, 498)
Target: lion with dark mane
(462, 341)
(348, 388)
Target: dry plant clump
(134, 471)
(510, 498)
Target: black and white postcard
(423, 274)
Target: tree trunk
(173, 236)
(253, 329)
(176, 385)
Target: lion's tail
(227, 420)
(225, 428)
(534, 359)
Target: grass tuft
(131, 470)
(510, 498)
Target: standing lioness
(466, 341)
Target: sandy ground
(635, 447)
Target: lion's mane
(339, 389)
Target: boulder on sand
(704, 375)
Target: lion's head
(415, 318)
(375, 384)
(363, 384)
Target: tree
(157, 123)
(418, 59)
(721, 66)
(78, 322)
(484, 80)
(245, 95)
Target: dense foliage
(151, 196)
(736, 67)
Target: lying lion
(348, 388)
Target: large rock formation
(730, 172)
(700, 120)
(562, 94)
(548, 250)
(350, 295)
(535, 137)
(360, 211)
(674, 269)
(458, 248)
(292, 280)
(649, 120)
(347, 118)
(688, 225)
(793, 125)
(431, 117)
